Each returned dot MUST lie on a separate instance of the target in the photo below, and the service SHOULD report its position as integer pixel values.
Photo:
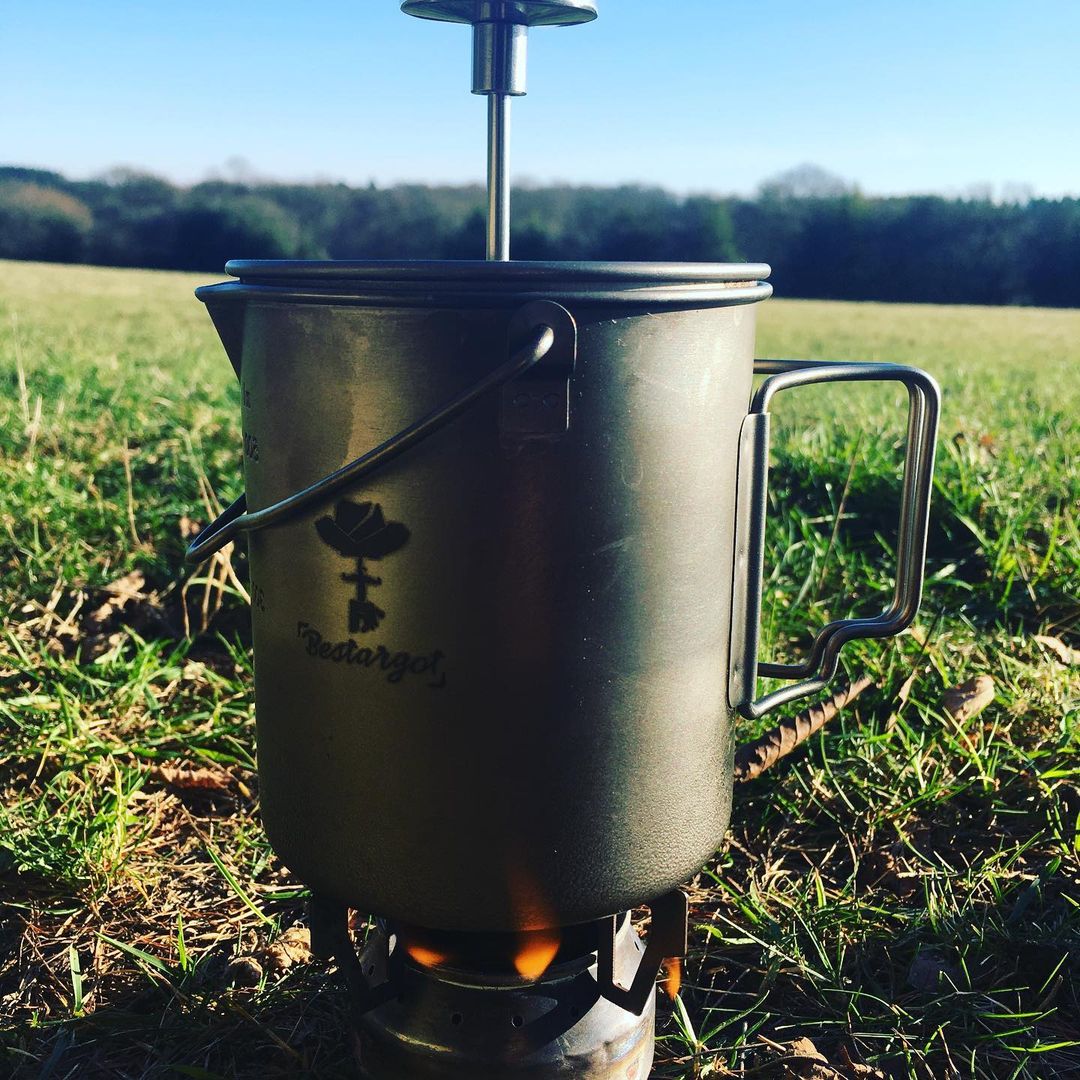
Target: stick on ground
(752, 759)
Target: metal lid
(489, 283)
(522, 12)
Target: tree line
(823, 238)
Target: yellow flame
(424, 956)
(538, 949)
(672, 978)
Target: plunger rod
(500, 54)
(498, 219)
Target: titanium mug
(506, 527)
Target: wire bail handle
(539, 330)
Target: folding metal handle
(549, 330)
(820, 666)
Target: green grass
(905, 889)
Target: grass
(904, 892)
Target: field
(904, 891)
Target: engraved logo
(360, 531)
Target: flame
(536, 951)
(672, 978)
(424, 956)
(423, 946)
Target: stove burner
(439, 1005)
(477, 1023)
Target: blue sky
(695, 95)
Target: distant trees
(134, 219)
(918, 248)
(1051, 262)
(39, 222)
(822, 236)
(805, 182)
(213, 227)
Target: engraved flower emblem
(360, 531)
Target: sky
(693, 95)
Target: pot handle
(815, 672)
(543, 325)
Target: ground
(900, 897)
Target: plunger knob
(523, 12)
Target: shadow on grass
(82, 1003)
(299, 1027)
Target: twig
(752, 759)
(33, 430)
(31, 423)
(20, 372)
(130, 494)
(237, 584)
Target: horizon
(241, 175)
(924, 99)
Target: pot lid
(491, 274)
(522, 12)
(491, 284)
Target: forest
(824, 239)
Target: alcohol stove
(505, 523)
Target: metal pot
(505, 527)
